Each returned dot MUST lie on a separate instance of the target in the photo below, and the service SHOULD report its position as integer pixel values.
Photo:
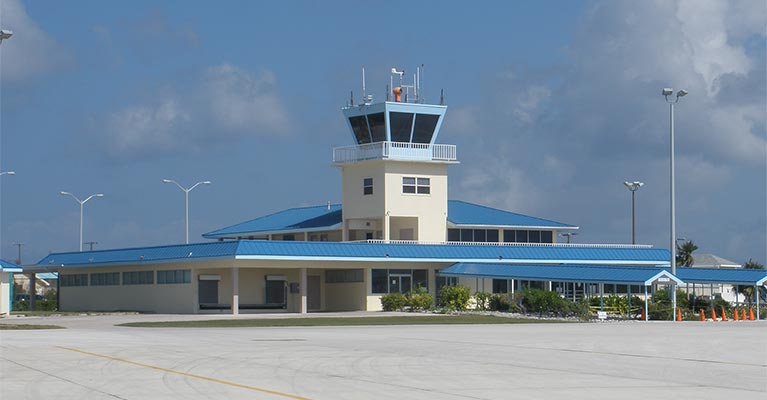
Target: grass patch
(336, 321)
(18, 327)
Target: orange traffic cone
(735, 315)
(713, 313)
(751, 314)
(678, 314)
(743, 314)
(702, 314)
(724, 314)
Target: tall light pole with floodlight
(82, 202)
(666, 93)
(633, 187)
(186, 195)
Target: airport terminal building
(395, 229)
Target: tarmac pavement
(93, 359)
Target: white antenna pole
(423, 70)
(418, 85)
(364, 95)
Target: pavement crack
(64, 379)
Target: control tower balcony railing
(395, 151)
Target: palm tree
(684, 253)
(748, 291)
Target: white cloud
(228, 102)
(569, 137)
(31, 51)
(140, 128)
(240, 100)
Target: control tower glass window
(377, 127)
(424, 127)
(360, 128)
(400, 124)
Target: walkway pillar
(235, 291)
(756, 290)
(32, 291)
(646, 311)
(302, 288)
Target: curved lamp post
(82, 202)
(186, 199)
(666, 93)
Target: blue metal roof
(287, 220)
(562, 273)
(734, 276)
(355, 251)
(320, 217)
(463, 213)
(6, 266)
(197, 252)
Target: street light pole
(82, 203)
(633, 187)
(186, 200)
(666, 93)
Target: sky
(552, 106)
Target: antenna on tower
(351, 98)
(420, 77)
(364, 95)
(442, 97)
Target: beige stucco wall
(356, 205)
(430, 211)
(183, 298)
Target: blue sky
(552, 106)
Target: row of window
(344, 275)
(410, 185)
(372, 128)
(491, 235)
(128, 278)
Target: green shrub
(545, 301)
(483, 300)
(455, 298)
(500, 302)
(393, 302)
(419, 299)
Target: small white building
(6, 286)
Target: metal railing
(608, 245)
(395, 151)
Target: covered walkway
(599, 274)
(730, 276)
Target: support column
(756, 290)
(345, 231)
(386, 222)
(32, 291)
(302, 286)
(235, 291)
(646, 311)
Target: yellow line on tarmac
(170, 371)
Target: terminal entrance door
(400, 283)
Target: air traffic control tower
(395, 176)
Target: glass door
(400, 283)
